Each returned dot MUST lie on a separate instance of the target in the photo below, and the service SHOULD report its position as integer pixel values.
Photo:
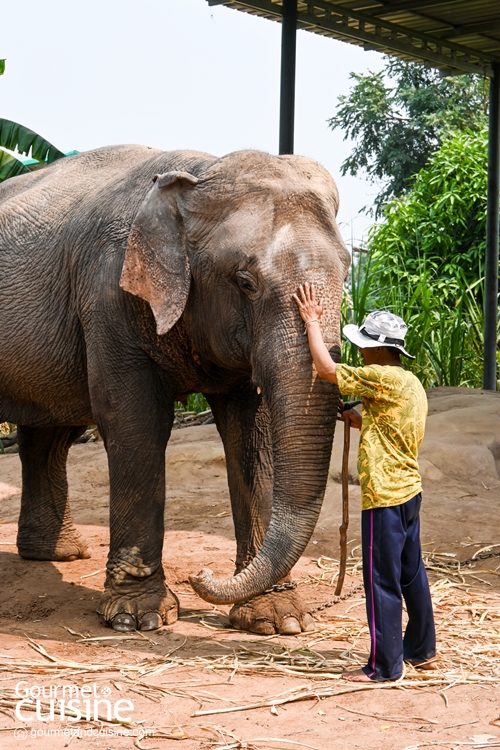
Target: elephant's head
(227, 250)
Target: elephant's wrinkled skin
(120, 296)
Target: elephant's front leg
(244, 425)
(135, 594)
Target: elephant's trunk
(303, 411)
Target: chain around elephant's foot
(277, 611)
(139, 603)
(36, 544)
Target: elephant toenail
(290, 626)
(151, 621)
(172, 615)
(308, 623)
(124, 622)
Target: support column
(287, 93)
(492, 235)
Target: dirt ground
(50, 635)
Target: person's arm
(311, 312)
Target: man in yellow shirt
(392, 428)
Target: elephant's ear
(156, 266)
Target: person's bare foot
(356, 676)
(429, 664)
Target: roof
(456, 36)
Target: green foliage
(16, 137)
(445, 333)
(357, 302)
(441, 220)
(195, 402)
(5, 429)
(10, 166)
(396, 128)
(426, 265)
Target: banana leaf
(15, 136)
(10, 166)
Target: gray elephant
(131, 277)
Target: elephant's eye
(246, 282)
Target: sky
(176, 74)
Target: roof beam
(391, 36)
(333, 19)
(408, 5)
(456, 31)
(445, 30)
(265, 5)
(472, 28)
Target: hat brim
(355, 336)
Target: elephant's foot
(282, 612)
(68, 546)
(139, 604)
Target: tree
(426, 263)
(396, 128)
(442, 218)
(16, 137)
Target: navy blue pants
(392, 569)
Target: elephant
(131, 277)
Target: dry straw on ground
(467, 612)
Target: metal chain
(336, 599)
(468, 561)
(291, 585)
(287, 586)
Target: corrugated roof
(453, 35)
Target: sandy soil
(53, 605)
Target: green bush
(426, 264)
(195, 402)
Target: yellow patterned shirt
(394, 414)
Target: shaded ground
(200, 664)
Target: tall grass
(444, 317)
(357, 301)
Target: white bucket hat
(379, 328)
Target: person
(394, 410)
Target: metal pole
(287, 93)
(492, 236)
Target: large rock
(462, 438)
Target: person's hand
(309, 308)
(351, 417)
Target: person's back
(394, 414)
(392, 427)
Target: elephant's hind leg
(46, 530)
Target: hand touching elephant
(132, 277)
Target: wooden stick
(345, 507)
